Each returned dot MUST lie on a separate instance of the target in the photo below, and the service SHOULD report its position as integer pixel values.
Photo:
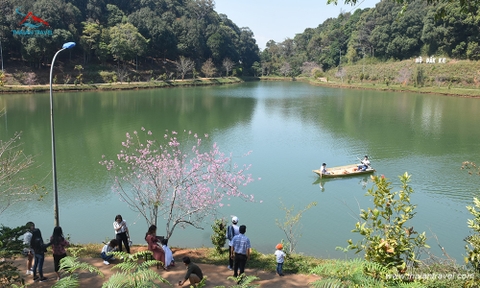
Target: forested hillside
(195, 40)
(125, 31)
(383, 33)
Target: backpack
(230, 232)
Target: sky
(281, 19)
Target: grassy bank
(356, 272)
(454, 78)
(9, 89)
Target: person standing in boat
(323, 169)
(365, 164)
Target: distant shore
(457, 92)
(14, 89)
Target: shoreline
(26, 89)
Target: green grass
(334, 272)
(118, 86)
(457, 77)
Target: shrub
(107, 76)
(218, 237)
(419, 77)
(10, 246)
(387, 239)
(318, 73)
(473, 241)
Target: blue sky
(281, 19)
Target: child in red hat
(280, 255)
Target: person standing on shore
(58, 246)
(27, 238)
(121, 233)
(280, 256)
(232, 231)
(240, 251)
(39, 249)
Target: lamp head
(68, 45)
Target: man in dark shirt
(194, 273)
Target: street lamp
(67, 45)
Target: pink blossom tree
(184, 186)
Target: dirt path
(216, 275)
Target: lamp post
(67, 45)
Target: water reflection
(321, 182)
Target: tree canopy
(141, 31)
(466, 6)
(170, 178)
(126, 30)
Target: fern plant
(134, 273)
(243, 281)
(336, 273)
(70, 265)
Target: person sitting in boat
(365, 164)
(323, 170)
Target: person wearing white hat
(232, 230)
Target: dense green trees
(388, 31)
(125, 31)
(134, 32)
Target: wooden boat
(344, 171)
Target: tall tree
(208, 68)
(90, 38)
(184, 65)
(184, 184)
(125, 42)
(249, 52)
(227, 65)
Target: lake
(290, 129)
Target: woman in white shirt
(121, 233)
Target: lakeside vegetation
(171, 41)
(369, 49)
(390, 249)
(456, 78)
(7, 89)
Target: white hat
(234, 219)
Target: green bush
(219, 228)
(387, 240)
(10, 247)
(107, 77)
(318, 73)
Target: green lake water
(290, 129)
